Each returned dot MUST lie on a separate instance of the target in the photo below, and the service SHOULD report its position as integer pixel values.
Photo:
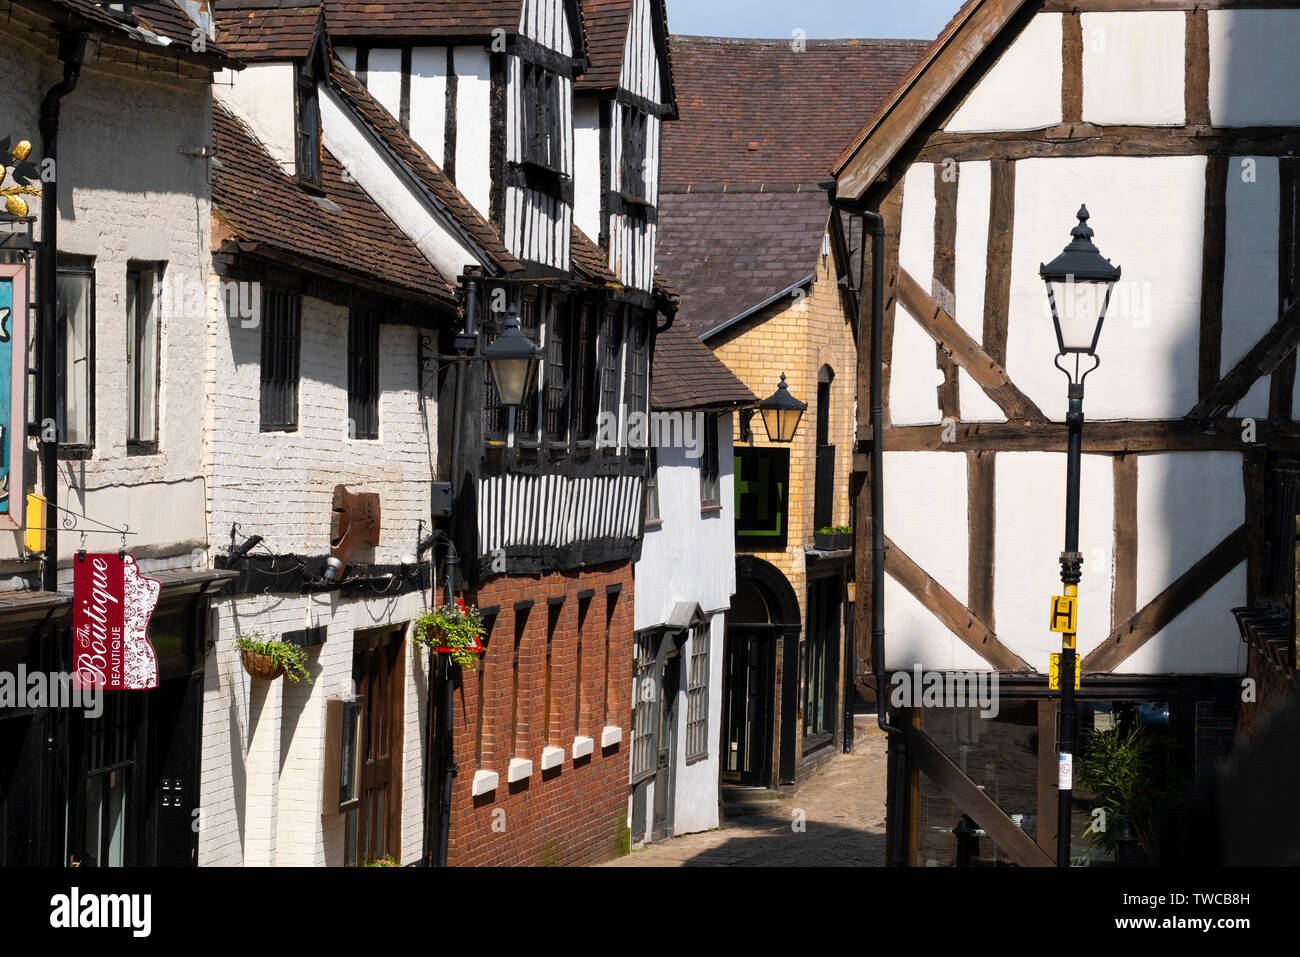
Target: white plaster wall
(126, 193)
(914, 636)
(348, 55)
(262, 95)
(640, 73)
(974, 184)
(695, 803)
(263, 756)
(1029, 536)
(473, 131)
(1188, 502)
(1254, 71)
(925, 513)
(586, 177)
(384, 78)
(1250, 265)
(690, 556)
(1023, 89)
(1148, 214)
(1202, 640)
(1133, 65)
(914, 374)
(345, 137)
(429, 101)
(916, 238)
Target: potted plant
(385, 861)
(833, 538)
(1134, 782)
(452, 629)
(269, 658)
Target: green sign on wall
(762, 483)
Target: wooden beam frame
(1213, 248)
(939, 768)
(1071, 67)
(997, 267)
(981, 517)
(966, 352)
(1264, 356)
(1282, 388)
(959, 619)
(945, 277)
(1123, 595)
(1086, 139)
(1169, 604)
(1196, 72)
(1115, 438)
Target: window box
(832, 541)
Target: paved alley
(843, 808)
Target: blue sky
(819, 19)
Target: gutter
(875, 223)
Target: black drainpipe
(874, 223)
(72, 51)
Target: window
(526, 416)
(635, 158)
(611, 362)
(363, 374)
(308, 140)
(75, 304)
(142, 357)
(710, 485)
(558, 370)
(281, 333)
(638, 374)
(650, 514)
(541, 118)
(584, 375)
(644, 713)
(697, 695)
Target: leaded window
(710, 467)
(697, 695)
(363, 374)
(644, 713)
(281, 344)
(635, 157)
(541, 126)
(559, 370)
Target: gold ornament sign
(16, 177)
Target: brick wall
(575, 813)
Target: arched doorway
(764, 612)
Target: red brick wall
(575, 813)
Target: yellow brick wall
(797, 338)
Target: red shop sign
(112, 604)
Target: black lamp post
(781, 413)
(1079, 284)
(513, 359)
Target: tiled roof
(606, 22)
(267, 32)
(728, 252)
(390, 131)
(758, 111)
(345, 231)
(415, 19)
(160, 26)
(687, 375)
(588, 258)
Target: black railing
(824, 495)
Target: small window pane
(76, 314)
(142, 355)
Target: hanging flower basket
(454, 630)
(270, 658)
(261, 667)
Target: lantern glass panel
(512, 378)
(1078, 310)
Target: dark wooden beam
(971, 800)
(1123, 596)
(945, 277)
(1114, 438)
(966, 352)
(980, 516)
(997, 269)
(1212, 259)
(1169, 604)
(959, 619)
(1072, 68)
(1075, 140)
(1047, 793)
(1196, 85)
(1144, 6)
(892, 211)
(1264, 356)
(1282, 388)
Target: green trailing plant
(835, 530)
(453, 626)
(1134, 781)
(385, 861)
(284, 653)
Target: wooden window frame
(542, 141)
(363, 374)
(307, 129)
(77, 266)
(697, 694)
(280, 309)
(634, 185)
(711, 466)
(650, 517)
(143, 272)
(645, 710)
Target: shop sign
(112, 604)
(13, 404)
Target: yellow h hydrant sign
(1065, 619)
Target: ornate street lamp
(781, 413)
(1079, 284)
(513, 359)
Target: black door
(105, 762)
(747, 706)
(665, 764)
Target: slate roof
(258, 31)
(390, 131)
(686, 374)
(730, 251)
(757, 111)
(346, 232)
(160, 26)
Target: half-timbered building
(766, 278)
(1174, 123)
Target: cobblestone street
(844, 808)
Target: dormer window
(308, 121)
(542, 140)
(633, 181)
